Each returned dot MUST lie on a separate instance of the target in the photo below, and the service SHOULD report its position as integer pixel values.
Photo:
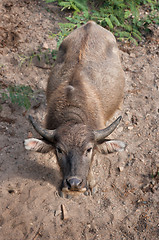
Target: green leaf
(50, 1)
(133, 40)
(19, 95)
(54, 54)
(108, 21)
(69, 5)
(127, 14)
(73, 6)
(136, 31)
(124, 34)
(67, 26)
(65, 5)
(115, 20)
(136, 36)
(38, 57)
(134, 9)
(127, 27)
(4, 96)
(81, 5)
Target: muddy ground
(126, 205)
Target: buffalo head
(74, 146)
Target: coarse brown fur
(88, 60)
(84, 89)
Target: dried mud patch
(126, 204)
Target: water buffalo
(84, 89)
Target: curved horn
(103, 133)
(47, 134)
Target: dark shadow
(35, 171)
(14, 128)
(22, 166)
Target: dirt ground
(126, 205)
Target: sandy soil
(126, 205)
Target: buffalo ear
(37, 145)
(110, 146)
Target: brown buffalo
(84, 89)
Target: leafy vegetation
(39, 54)
(19, 94)
(65, 28)
(122, 17)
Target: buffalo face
(74, 146)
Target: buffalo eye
(89, 150)
(58, 150)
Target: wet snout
(73, 184)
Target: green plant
(66, 28)
(122, 17)
(19, 94)
(38, 54)
(23, 59)
(155, 174)
(76, 5)
(50, 1)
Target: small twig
(43, 67)
(37, 234)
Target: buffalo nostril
(73, 183)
